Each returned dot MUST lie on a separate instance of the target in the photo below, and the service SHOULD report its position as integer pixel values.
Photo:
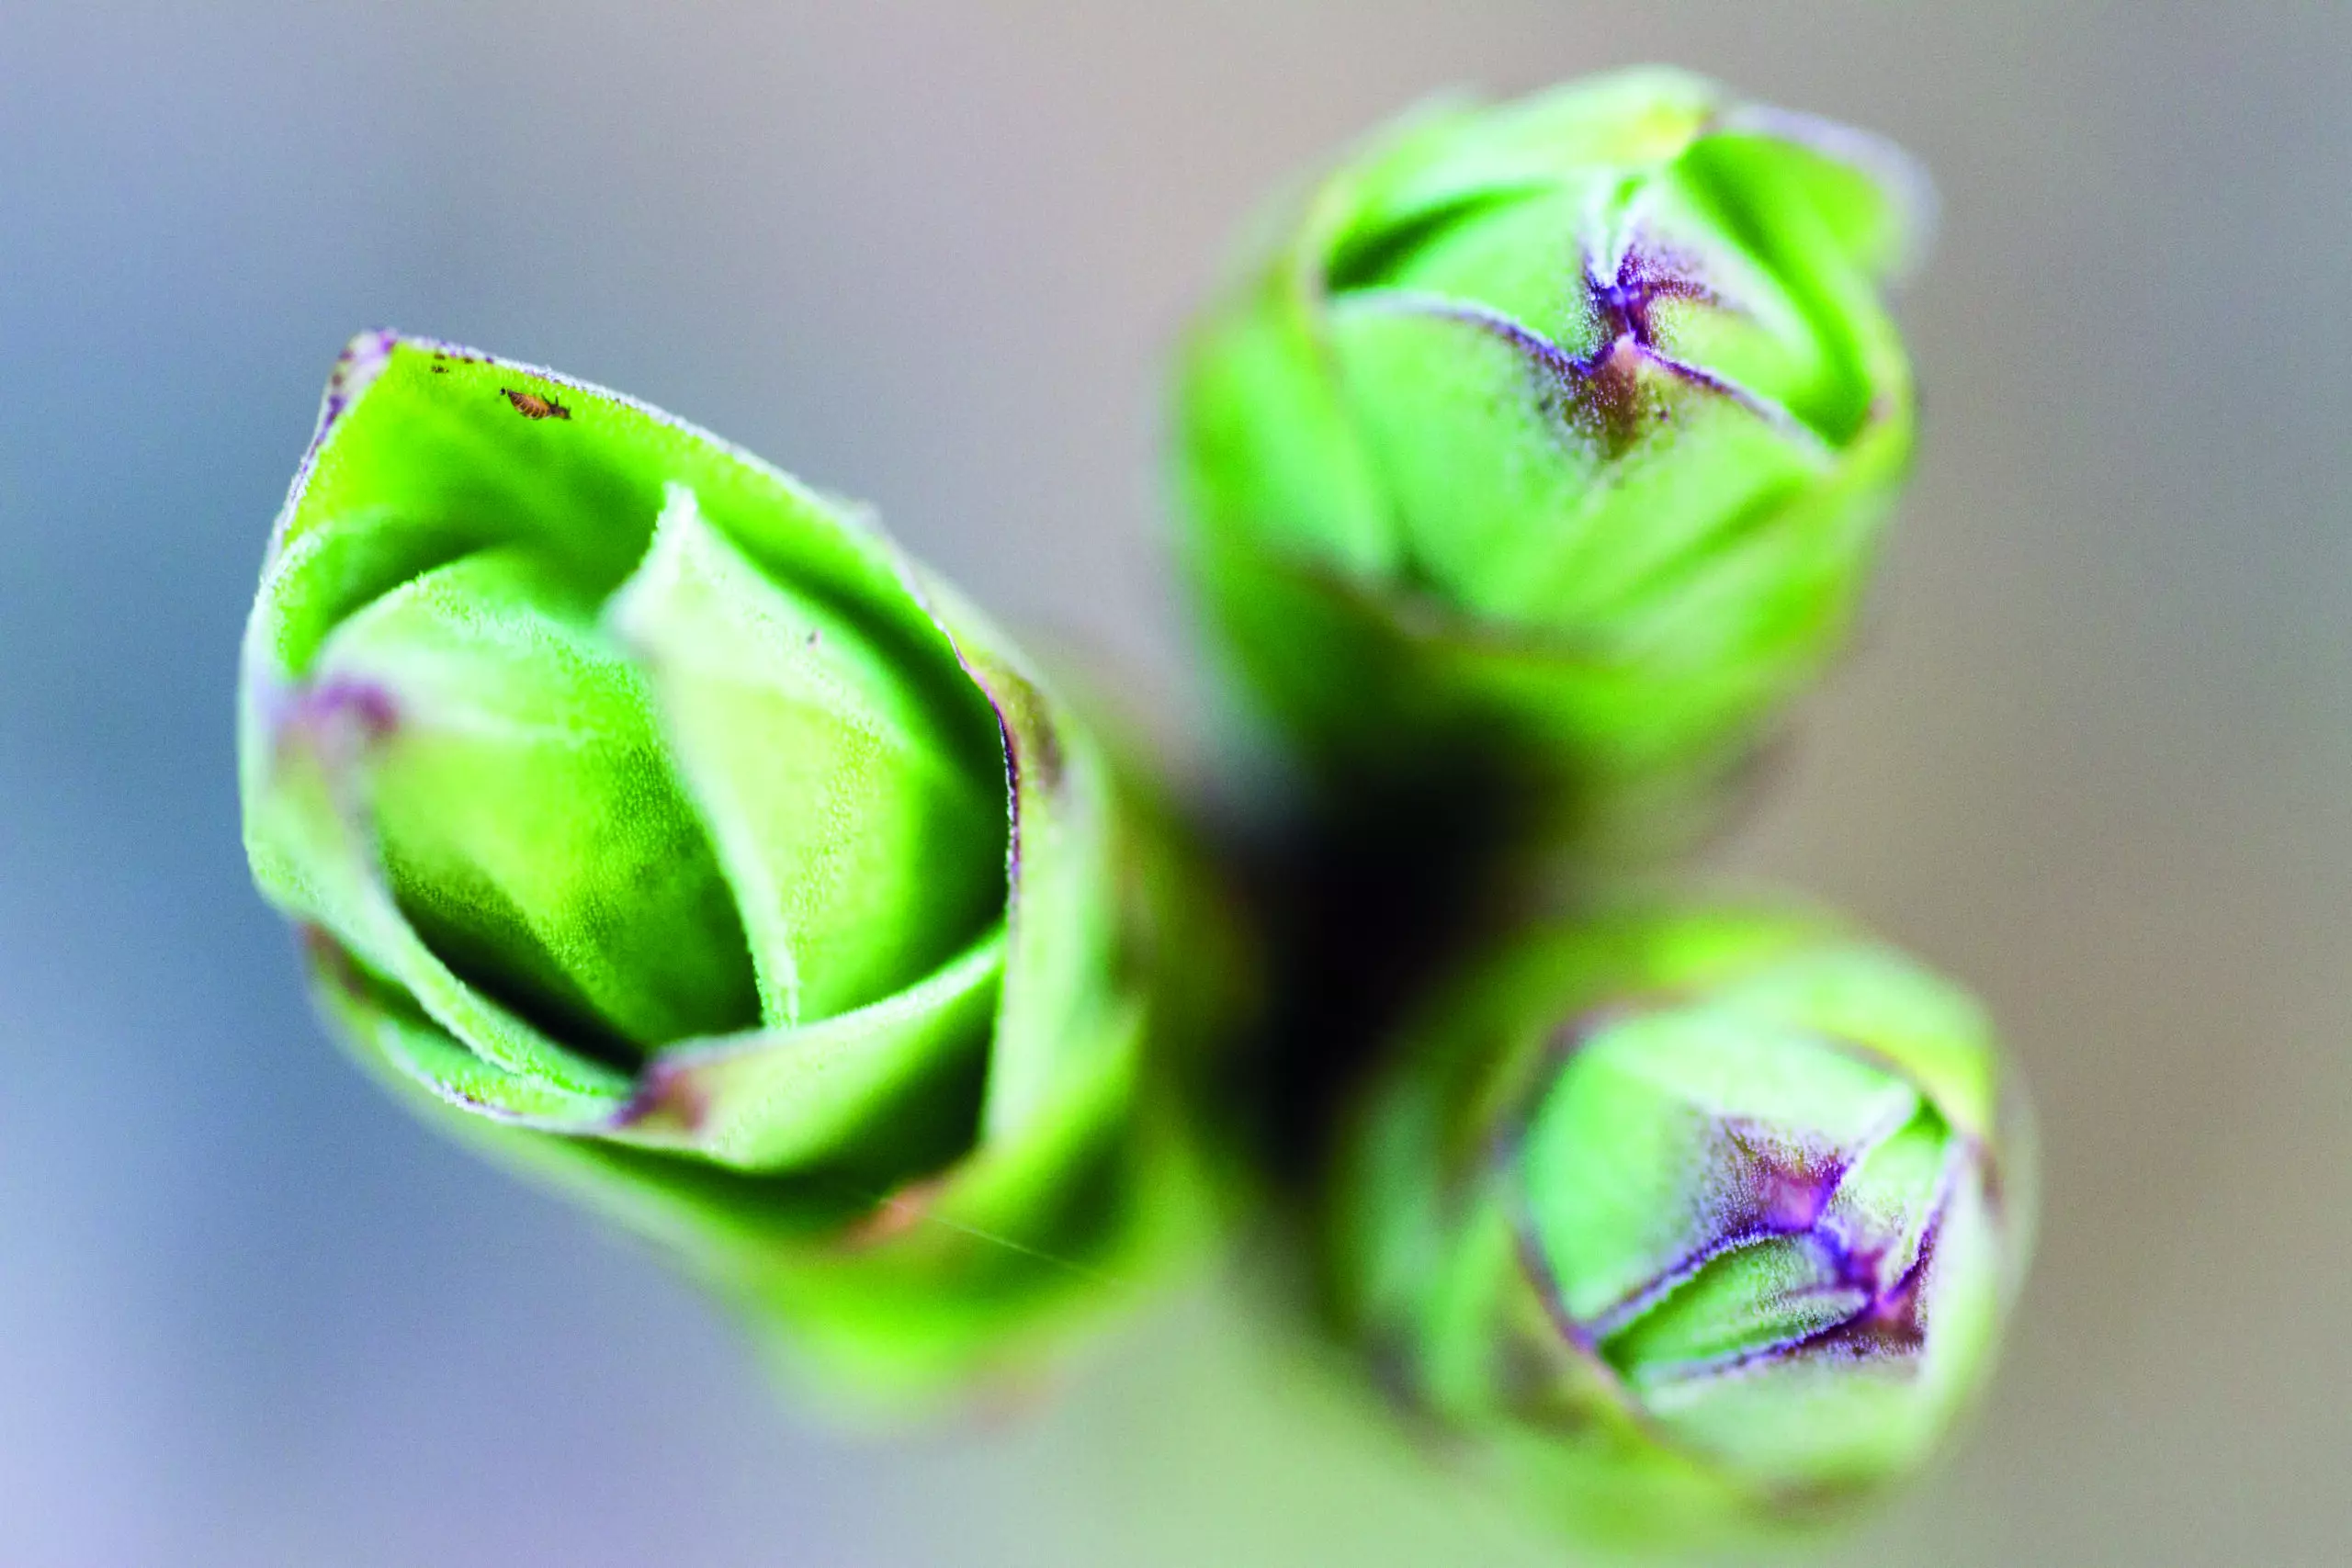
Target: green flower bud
(1689, 1225)
(1562, 429)
(654, 822)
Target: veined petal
(864, 840)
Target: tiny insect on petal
(532, 405)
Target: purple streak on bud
(357, 366)
(1773, 1189)
(1611, 384)
(1623, 301)
(1892, 1323)
(1763, 1190)
(1889, 1326)
(359, 363)
(1532, 345)
(1612, 393)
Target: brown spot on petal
(1045, 758)
(896, 1214)
(329, 960)
(674, 1101)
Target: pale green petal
(863, 846)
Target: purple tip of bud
(669, 1096)
(1610, 387)
(1893, 1322)
(336, 719)
(343, 704)
(1621, 296)
(362, 359)
(1612, 393)
(359, 363)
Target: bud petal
(790, 726)
(529, 821)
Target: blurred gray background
(2095, 754)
